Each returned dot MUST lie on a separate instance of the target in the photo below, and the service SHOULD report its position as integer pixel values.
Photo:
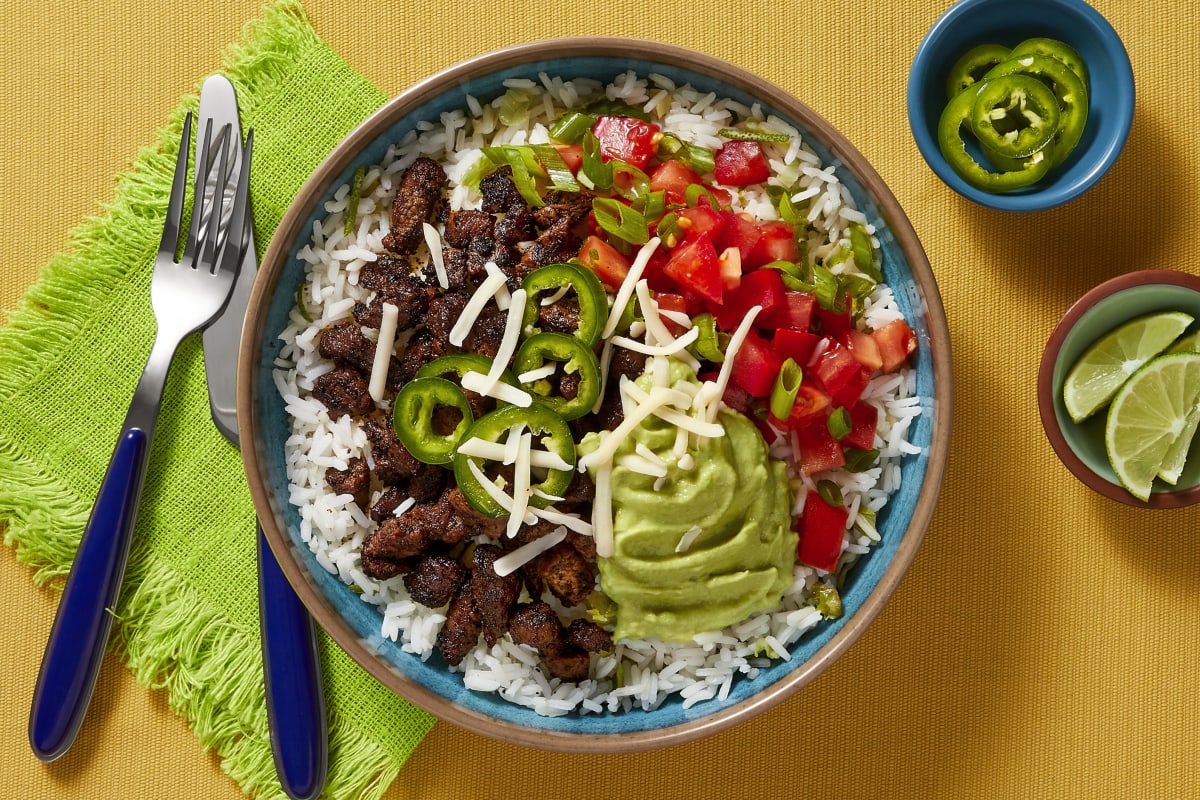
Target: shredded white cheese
(611, 440)
(602, 521)
(570, 521)
(735, 344)
(511, 562)
(503, 298)
(642, 466)
(466, 320)
(677, 418)
(673, 347)
(383, 352)
(494, 451)
(521, 482)
(538, 373)
(625, 292)
(433, 240)
(478, 382)
(689, 536)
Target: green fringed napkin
(69, 359)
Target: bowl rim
(276, 259)
(1041, 199)
(1046, 389)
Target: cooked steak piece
(535, 624)
(344, 344)
(495, 597)
(393, 464)
(355, 480)
(418, 196)
(461, 629)
(566, 661)
(587, 635)
(435, 580)
(344, 391)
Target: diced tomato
(896, 343)
(795, 313)
(852, 389)
(796, 345)
(756, 365)
(672, 178)
(821, 530)
(605, 260)
(762, 287)
(572, 155)
(735, 397)
(730, 261)
(835, 367)
(810, 404)
(693, 265)
(819, 451)
(776, 242)
(740, 163)
(671, 302)
(864, 348)
(863, 419)
(700, 219)
(833, 323)
(738, 232)
(627, 138)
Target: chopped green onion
(787, 384)
(616, 108)
(570, 127)
(523, 165)
(789, 211)
(594, 171)
(864, 251)
(839, 423)
(560, 174)
(860, 460)
(828, 289)
(620, 220)
(830, 492)
(695, 191)
(302, 306)
(352, 200)
(653, 204)
(629, 181)
(698, 159)
(752, 136)
(668, 229)
(514, 106)
(708, 345)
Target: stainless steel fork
(185, 295)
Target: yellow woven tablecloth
(1044, 642)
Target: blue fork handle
(295, 697)
(79, 636)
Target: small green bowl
(1080, 446)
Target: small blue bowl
(355, 626)
(968, 23)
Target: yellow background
(1045, 641)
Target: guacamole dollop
(738, 562)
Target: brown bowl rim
(285, 551)
(1045, 388)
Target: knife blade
(292, 677)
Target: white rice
(638, 674)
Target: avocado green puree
(741, 560)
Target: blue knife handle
(295, 697)
(79, 636)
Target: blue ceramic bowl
(1080, 446)
(355, 625)
(968, 23)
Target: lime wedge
(1148, 415)
(1186, 344)
(1173, 464)
(1111, 359)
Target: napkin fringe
(41, 521)
(176, 641)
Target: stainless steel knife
(291, 671)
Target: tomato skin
(835, 367)
(776, 242)
(796, 345)
(896, 343)
(834, 323)
(762, 287)
(819, 451)
(738, 232)
(794, 313)
(572, 155)
(756, 365)
(627, 139)
(671, 302)
(821, 530)
(693, 265)
(605, 260)
(701, 219)
(863, 419)
(853, 388)
(672, 177)
(740, 163)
